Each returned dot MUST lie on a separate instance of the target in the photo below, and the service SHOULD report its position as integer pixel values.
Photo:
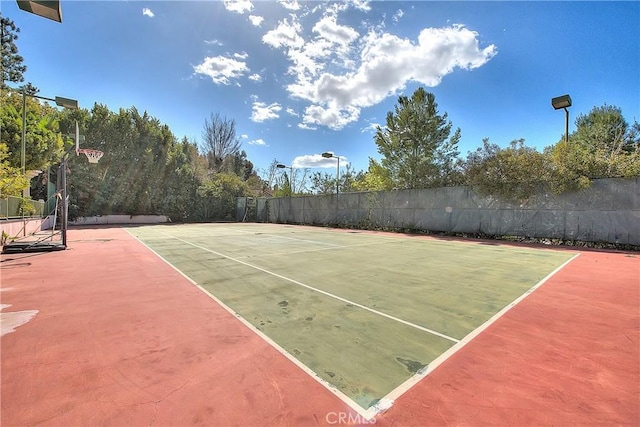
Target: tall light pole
(281, 166)
(329, 155)
(50, 10)
(60, 102)
(563, 102)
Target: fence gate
(246, 209)
(262, 210)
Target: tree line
(419, 149)
(147, 170)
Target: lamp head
(66, 103)
(560, 102)
(327, 155)
(47, 9)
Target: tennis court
(363, 312)
(280, 325)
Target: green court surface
(364, 311)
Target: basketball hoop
(92, 155)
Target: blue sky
(301, 78)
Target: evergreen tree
(13, 68)
(416, 144)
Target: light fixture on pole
(563, 102)
(329, 155)
(281, 166)
(47, 9)
(60, 102)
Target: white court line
(271, 236)
(274, 239)
(301, 251)
(304, 240)
(277, 236)
(332, 247)
(340, 395)
(364, 307)
(387, 401)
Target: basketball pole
(64, 215)
(64, 204)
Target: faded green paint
(450, 287)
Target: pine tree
(416, 145)
(12, 66)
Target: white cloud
(389, 62)
(396, 16)
(339, 72)
(341, 6)
(263, 112)
(371, 128)
(329, 29)
(286, 34)
(330, 47)
(221, 69)
(258, 141)
(292, 112)
(308, 61)
(386, 64)
(290, 4)
(255, 77)
(238, 6)
(333, 118)
(244, 136)
(317, 161)
(362, 5)
(255, 20)
(147, 12)
(243, 55)
(307, 127)
(213, 42)
(307, 161)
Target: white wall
(120, 219)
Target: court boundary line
(330, 387)
(281, 237)
(301, 251)
(331, 245)
(320, 291)
(388, 400)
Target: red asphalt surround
(568, 354)
(121, 338)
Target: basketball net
(92, 155)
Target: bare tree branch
(220, 140)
